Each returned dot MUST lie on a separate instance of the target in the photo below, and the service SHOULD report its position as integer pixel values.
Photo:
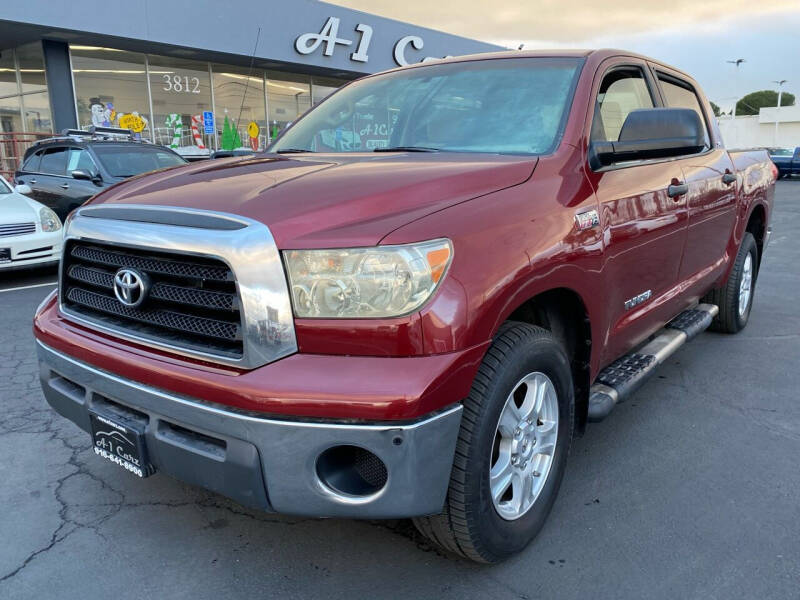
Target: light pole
(736, 62)
(778, 108)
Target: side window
(80, 160)
(32, 164)
(54, 161)
(681, 95)
(622, 91)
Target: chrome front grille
(191, 301)
(17, 229)
(216, 292)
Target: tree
(752, 102)
(716, 109)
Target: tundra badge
(587, 220)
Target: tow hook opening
(352, 471)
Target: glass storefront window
(9, 115)
(181, 91)
(30, 59)
(239, 98)
(288, 97)
(37, 113)
(322, 87)
(111, 89)
(25, 110)
(8, 74)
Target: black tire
(469, 524)
(729, 319)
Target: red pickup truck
(409, 306)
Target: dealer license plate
(120, 443)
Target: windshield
(515, 105)
(127, 161)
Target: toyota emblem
(130, 287)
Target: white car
(30, 233)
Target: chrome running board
(623, 377)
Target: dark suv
(64, 172)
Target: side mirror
(24, 189)
(652, 133)
(82, 175)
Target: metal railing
(13, 145)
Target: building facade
(196, 75)
(770, 128)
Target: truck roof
(599, 54)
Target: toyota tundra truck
(415, 299)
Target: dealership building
(197, 75)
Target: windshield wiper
(406, 149)
(292, 151)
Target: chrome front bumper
(260, 462)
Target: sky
(695, 36)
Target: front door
(643, 221)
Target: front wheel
(512, 448)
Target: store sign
(328, 38)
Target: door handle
(728, 178)
(33, 182)
(677, 189)
(65, 186)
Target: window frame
(680, 82)
(53, 149)
(619, 64)
(655, 98)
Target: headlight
(49, 220)
(384, 281)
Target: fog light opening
(351, 470)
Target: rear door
(711, 196)
(644, 228)
(51, 182)
(28, 173)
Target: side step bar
(626, 375)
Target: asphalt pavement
(689, 490)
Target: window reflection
(110, 86)
(288, 97)
(181, 91)
(30, 59)
(240, 117)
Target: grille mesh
(160, 291)
(370, 468)
(165, 267)
(207, 327)
(192, 302)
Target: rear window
(127, 161)
(32, 164)
(54, 161)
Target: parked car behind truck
(65, 171)
(410, 319)
(787, 160)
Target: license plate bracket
(120, 442)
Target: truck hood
(327, 200)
